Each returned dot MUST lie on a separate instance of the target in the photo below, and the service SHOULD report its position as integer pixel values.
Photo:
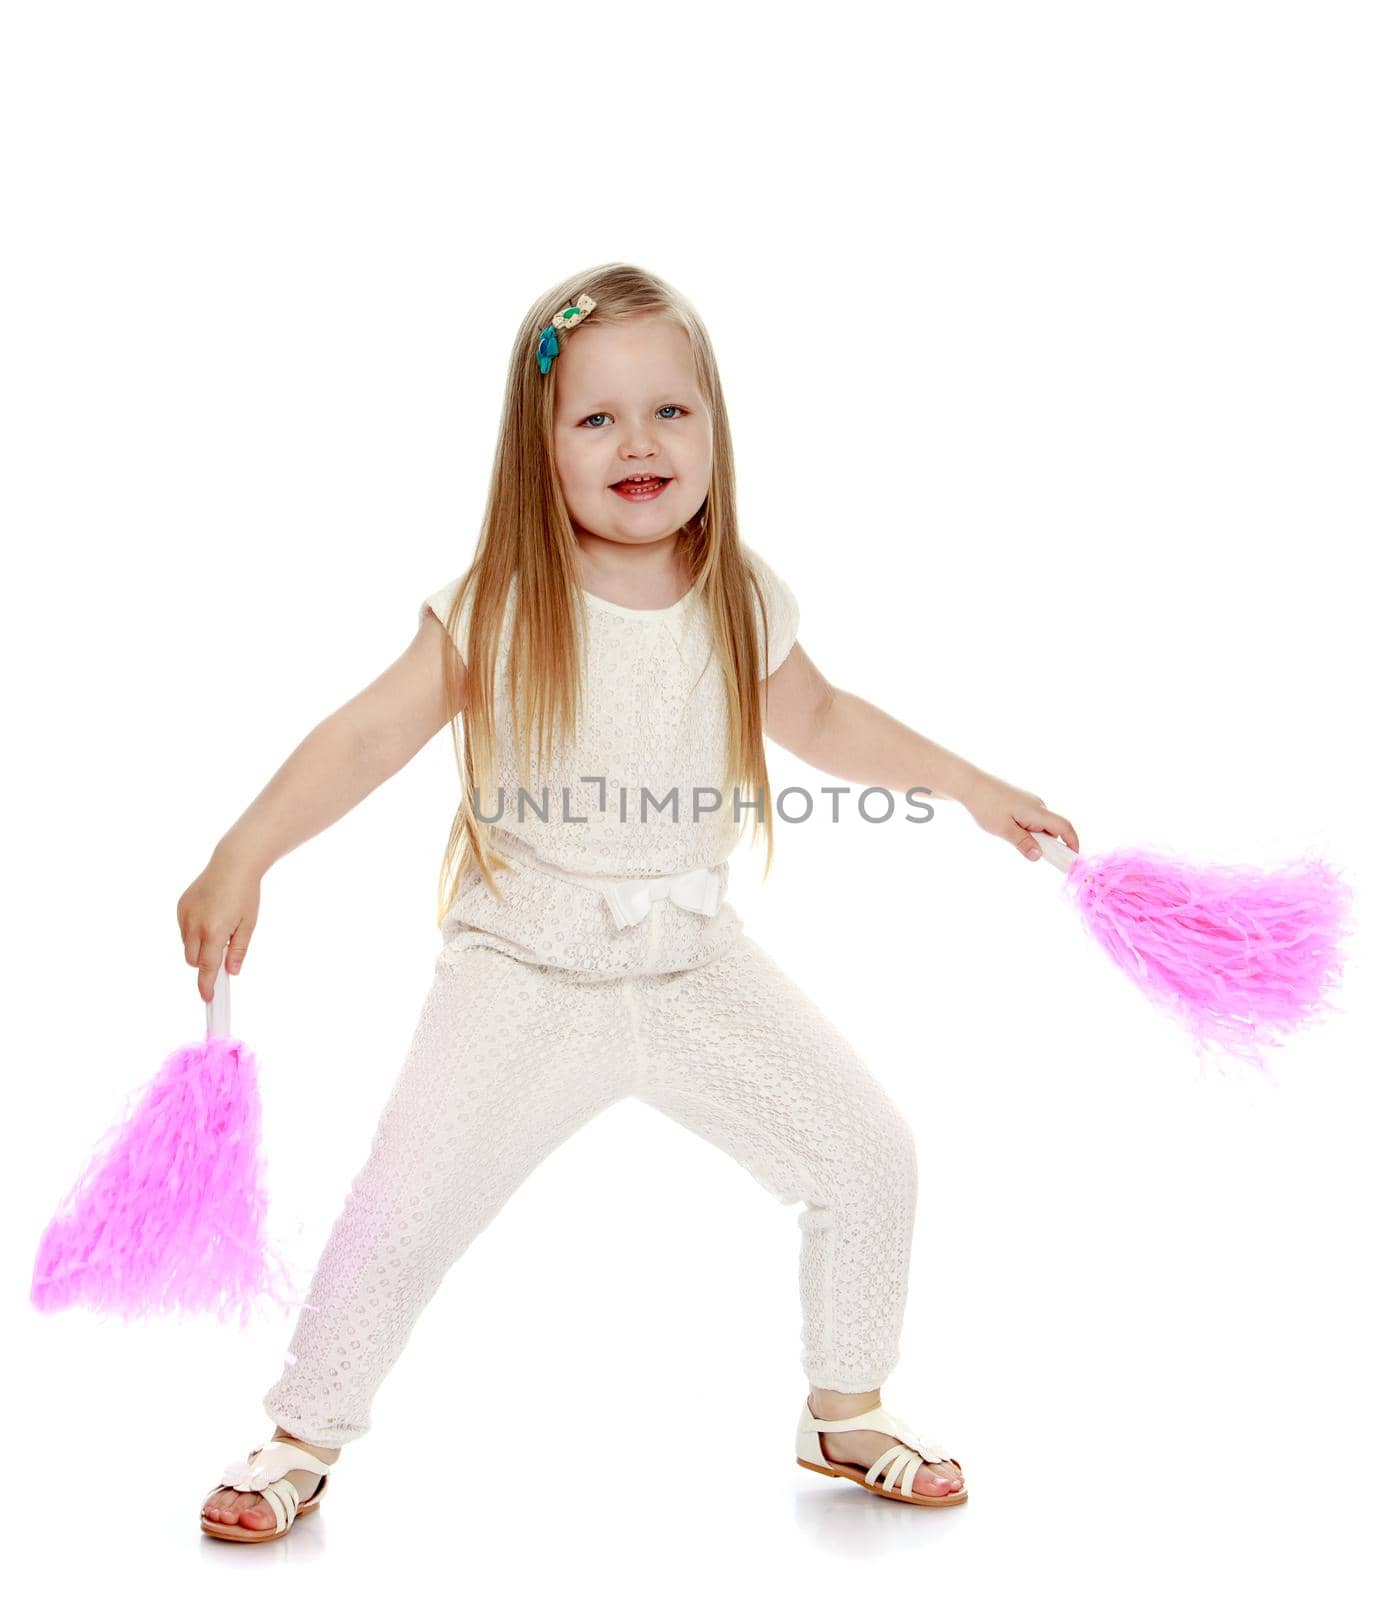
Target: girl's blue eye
(587, 420)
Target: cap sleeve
(439, 603)
(782, 611)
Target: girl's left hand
(1010, 813)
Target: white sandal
(265, 1472)
(905, 1457)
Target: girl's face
(627, 401)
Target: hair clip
(569, 317)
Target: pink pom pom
(169, 1213)
(1241, 955)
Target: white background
(1059, 344)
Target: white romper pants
(543, 1012)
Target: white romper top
(652, 718)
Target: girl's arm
(348, 755)
(342, 759)
(840, 733)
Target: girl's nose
(638, 448)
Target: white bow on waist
(629, 899)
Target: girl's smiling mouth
(649, 488)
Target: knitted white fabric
(652, 718)
(543, 1011)
(510, 1059)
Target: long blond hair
(528, 533)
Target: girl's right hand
(218, 907)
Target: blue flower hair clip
(548, 348)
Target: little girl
(610, 663)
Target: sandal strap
(923, 1445)
(897, 1459)
(265, 1473)
(878, 1420)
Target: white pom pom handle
(1055, 850)
(218, 1012)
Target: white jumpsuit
(586, 984)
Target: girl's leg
(737, 1053)
(508, 1060)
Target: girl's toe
(930, 1481)
(256, 1513)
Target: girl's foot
(252, 1510)
(862, 1447)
